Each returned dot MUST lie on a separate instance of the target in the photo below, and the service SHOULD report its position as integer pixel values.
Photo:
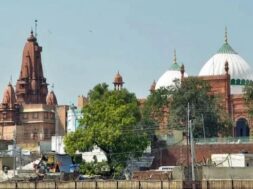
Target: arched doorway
(242, 128)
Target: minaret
(152, 87)
(31, 86)
(182, 70)
(226, 67)
(118, 82)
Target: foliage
(248, 97)
(205, 108)
(152, 111)
(94, 168)
(111, 120)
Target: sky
(86, 42)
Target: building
(74, 114)
(27, 114)
(227, 73)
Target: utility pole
(204, 131)
(192, 156)
(14, 152)
(187, 139)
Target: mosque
(227, 73)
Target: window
(232, 81)
(52, 115)
(238, 82)
(35, 115)
(46, 115)
(46, 134)
(243, 82)
(25, 116)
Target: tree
(111, 121)
(206, 109)
(248, 97)
(153, 110)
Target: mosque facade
(227, 73)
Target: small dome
(172, 74)
(51, 98)
(9, 97)
(118, 79)
(239, 70)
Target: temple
(28, 114)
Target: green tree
(248, 97)
(153, 110)
(111, 120)
(205, 109)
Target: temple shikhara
(27, 114)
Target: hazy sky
(86, 42)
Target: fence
(227, 184)
(205, 184)
(224, 140)
(94, 185)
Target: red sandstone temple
(28, 114)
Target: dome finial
(226, 35)
(175, 57)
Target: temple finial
(175, 57)
(35, 27)
(226, 35)
(52, 87)
(10, 82)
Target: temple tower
(31, 87)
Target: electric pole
(192, 156)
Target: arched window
(238, 82)
(242, 128)
(232, 82)
(243, 82)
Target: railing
(224, 140)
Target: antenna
(36, 21)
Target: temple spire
(36, 21)
(226, 35)
(175, 57)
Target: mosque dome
(173, 73)
(9, 97)
(239, 70)
(51, 98)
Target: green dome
(226, 49)
(175, 67)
